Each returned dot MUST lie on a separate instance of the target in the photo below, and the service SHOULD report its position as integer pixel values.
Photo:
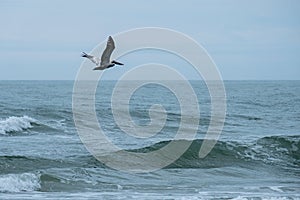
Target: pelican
(104, 62)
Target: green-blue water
(257, 156)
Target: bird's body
(104, 62)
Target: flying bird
(104, 62)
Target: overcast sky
(246, 39)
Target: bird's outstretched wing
(91, 58)
(110, 46)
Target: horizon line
(150, 80)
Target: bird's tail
(85, 55)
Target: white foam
(19, 182)
(276, 188)
(12, 124)
(264, 197)
(57, 124)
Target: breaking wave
(279, 150)
(274, 150)
(16, 124)
(19, 182)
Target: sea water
(256, 157)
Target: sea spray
(19, 182)
(14, 124)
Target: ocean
(256, 157)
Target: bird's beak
(117, 63)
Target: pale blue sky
(246, 39)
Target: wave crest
(19, 182)
(279, 150)
(15, 124)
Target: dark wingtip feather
(83, 54)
